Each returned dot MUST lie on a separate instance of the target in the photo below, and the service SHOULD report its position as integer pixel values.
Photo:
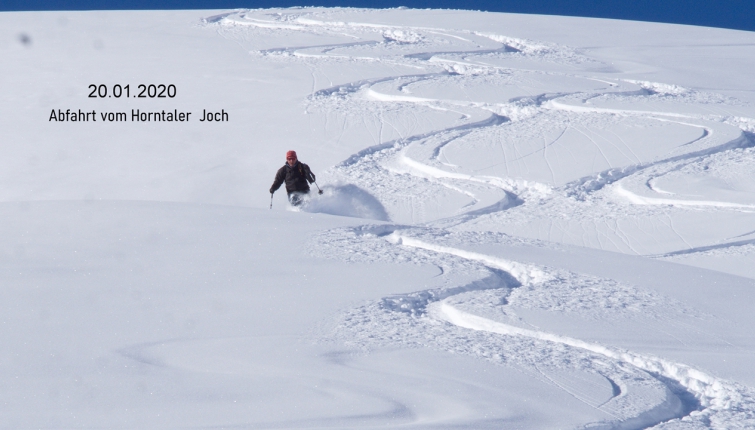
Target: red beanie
(290, 154)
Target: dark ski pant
(296, 198)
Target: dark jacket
(296, 178)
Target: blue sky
(736, 14)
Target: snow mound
(659, 88)
(402, 36)
(346, 200)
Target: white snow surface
(529, 222)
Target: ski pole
(271, 200)
(319, 191)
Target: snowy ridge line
(526, 274)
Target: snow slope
(527, 222)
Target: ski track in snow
(670, 393)
(470, 310)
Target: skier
(297, 176)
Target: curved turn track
(472, 136)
